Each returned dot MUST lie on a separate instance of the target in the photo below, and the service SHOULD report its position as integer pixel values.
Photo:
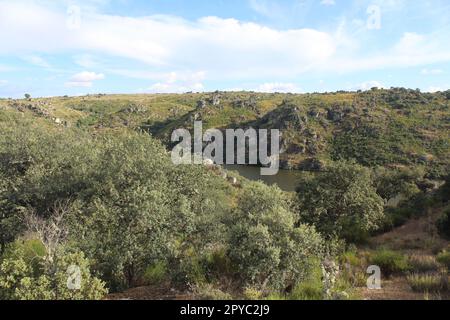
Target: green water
(287, 180)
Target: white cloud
(431, 71)
(278, 87)
(328, 2)
(84, 79)
(225, 49)
(36, 60)
(433, 89)
(86, 61)
(175, 82)
(368, 85)
(175, 87)
(3, 83)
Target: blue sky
(64, 47)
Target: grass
(156, 273)
(444, 259)
(423, 264)
(390, 262)
(430, 283)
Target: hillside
(396, 127)
(89, 178)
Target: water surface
(287, 180)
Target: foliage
(443, 224)
(390, 183)
(390, 262)
(210, 292)
(139, 219)
(430, 283)
(423, 263)
(129, 206)
(311, 288)
(444, 259)
(266, 246)
(23, 277)
(341, 201)
(156, 273)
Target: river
(287, 180)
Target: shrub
(130, 206)
(444, 259)
(341, 201)
(310, 289)
(427, 283)
(210, 292)
(217, 263)
(390, 262)
(19, 280)
(156, 273)
(351, 258)
(443, 224)
(252, 294)
(423, 263)
(353, 269)
(391, 183)
(266, 247)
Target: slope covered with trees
(88, 181)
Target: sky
(69, 47)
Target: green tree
(266, 247)
(389, 183)
(341, 201)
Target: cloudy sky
(53, 47)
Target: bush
(252, 294)
(390, 262)
(129, 205)
(266, 247)
(427, 283)
(423, 264)
(310, 289)
(341, 201)
(42, 278)
(391, 183)
(353, 269)
(218, 264)
(444, 259)
(210, 292)
(443, 224)
(156, 273)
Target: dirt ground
(162, 292)
(416, 237)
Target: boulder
(201, 104)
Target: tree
(27, 96)
(390, 183)
(265, 246)
(341, 201)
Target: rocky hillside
(396, 127)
